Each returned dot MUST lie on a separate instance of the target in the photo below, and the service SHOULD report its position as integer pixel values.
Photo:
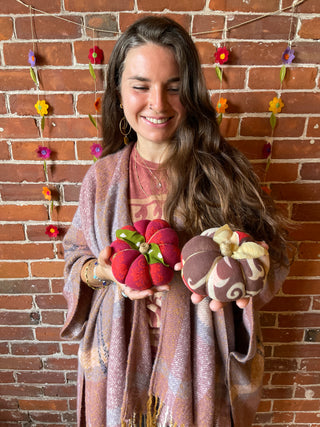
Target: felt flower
(47, 193)
(96, 150)
(266, 189)
(287, 56)
(32, 58)
(221, 55)
(266, 151)
(276, 105)
(221, 106)
(52, 231)
(95, 55)
(97, 104)
(42, 107)
(43, 152)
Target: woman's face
(150, 87)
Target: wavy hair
(211, 182)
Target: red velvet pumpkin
(143, 255)
(223, 264)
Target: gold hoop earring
(123, 124)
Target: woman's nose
(157, 100)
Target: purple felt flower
(288, 56)
(32, 58)
(96, 150)
(43, 152)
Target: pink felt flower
(52, 231)
(43, 152)
(221, 55)
(95, 55)
(96, 150)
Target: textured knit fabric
(208, 365)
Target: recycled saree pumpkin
(224, 265)
(144, 255)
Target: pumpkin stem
(144, 247)
(226, 248)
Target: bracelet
(104, 283)
(87, 278)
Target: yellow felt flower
(221, 106)
(46, 192)
(42, 107)
(276, 105)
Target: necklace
(155, 178)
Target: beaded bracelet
(104, 283)
(87, 278)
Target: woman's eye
(174, 89)
(141, 88)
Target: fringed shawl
(208, 365)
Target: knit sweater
(208, 365)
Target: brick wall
(37, 370)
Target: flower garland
(221, 57)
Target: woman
(155, 356)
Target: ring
(123, 294)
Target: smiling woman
(158, 356)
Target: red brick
(269, 27)
(307, 417)
(19, 318)
(267, 319)
(48, 334)
(310, 6)
(277, 392)
(301, 287)
(296, 405)
(264, 406)
(16, 363)
(28, 349)
(16, 302)
(69, 173)
(12, 415)
(276, 335)
(239, 5)
(277, 172)
(60, 250)
(13, 269)
(4, 148)
(296, 78)
(57, 285)
(248, 53)
(46, 418)
(98, 5)
(9, 7)
(308, 390)
(51, 301)
(304, 320)
(11, 232)
(307, 52)
(21, 333)
(82, 48)
(26, 150)
(297, 350)
(309, 251)
(15, 80)
(313, 127)
(296, 149)
(69, 80)
(43, 405)
(4, 348)
(8, 403)
(18, 127)
(172, 5)
(71, 193)
(70, 349)
(24, 192)
(282, 417)
(26, 251)
(53, 317)
(46, 27)
(61, 391)
(58, 104)
(41, 377)
(305, 268)
(67, 128)
(296, 192)
(285, 127)
(310, 28)
(62, 364)
(47, 269)
(310, 171)
(64, 213)
(255, 102)
(6, 28)
(293, 104)
(83, 149)
(288, 304)
(6, 377)
(19, 173)
(305, 231)
(85, 104)
(37, 232)
(54, 54)
(309, 365)
(23, 213)
(316, 303)
(283, 365)
(203, 24)
(229, 127)
(233, 78)
(24, 286)
(105, 25)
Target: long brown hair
(211, 183)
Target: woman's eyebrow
(144, 79)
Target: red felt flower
(221, 55)
(52, 231)
(95, 55)
(144, 255)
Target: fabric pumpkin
(143, 255)
(223, 264)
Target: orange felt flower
(221, 106)
(47, 193)
(97, 104)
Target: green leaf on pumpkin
(283, 71)
(33, 76)
(154, 255)
(92, 120)
(93, 74)
(273, 120)
(219, 73)
(133, 238)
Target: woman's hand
(104, 271)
